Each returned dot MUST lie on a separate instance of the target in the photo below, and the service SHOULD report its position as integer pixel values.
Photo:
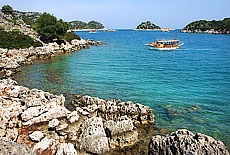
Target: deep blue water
(186, 88)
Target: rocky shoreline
(212, 31)
(42, 122)
(37, 122)
(12, 59)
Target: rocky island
(150, 26)
(147, 26)
(33, 121)
(210, 27)
(80, 25)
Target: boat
(92, 31)
(112, 30)
(165, 30)
(171, 44)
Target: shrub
(16, 39)
(71, 36)
(50, 28)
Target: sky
(128, 13)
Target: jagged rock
(61, 127)
(122, 125)
(121, 133)
(9, 147)
(12, 134)
(93, 138)
(54, 112)
(66, 149)
(185, 142)
(110, 110)
(73, 117)
(53, 123)
(46, 146)
(36, 136)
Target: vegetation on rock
(71, 36)
(82, 25)
(49, 28)
(7, 9)
(147, 26)
(204, 25)
(16, 39)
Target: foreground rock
(9, 147)
(41, 121)
(185, 142)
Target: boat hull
(163, 49)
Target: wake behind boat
(171, 44)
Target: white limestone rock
(12, 134)
(33, 112)
(93, 138)
(73, 117)
(66, 149)
(36, 136)
(61, 127)
(46, 144)
(122, 125)
(55, 112)
(53, 123)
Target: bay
(186, 88)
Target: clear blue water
(187, 88)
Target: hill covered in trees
(204, 26)
(83, 25)
(147, 26)
(24, 29)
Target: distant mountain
(147, 26)
(204, 26)
(83, 25)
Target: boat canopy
(172, 41)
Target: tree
(7, 9)
(49, 28)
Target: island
(147, 26)
(151, 26)
(210, 27)
(80, 25)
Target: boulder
(46, 146)
(93, 138)
(66, 149)
(121, 133)
(36, 136)
(9, 147)
(53, 123)
(185, 142)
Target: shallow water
(186, 88)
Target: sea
(186, 88)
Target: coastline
(205, 32)
(40, 117)
(13, 59)
(39, 122)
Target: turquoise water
(187, 88)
